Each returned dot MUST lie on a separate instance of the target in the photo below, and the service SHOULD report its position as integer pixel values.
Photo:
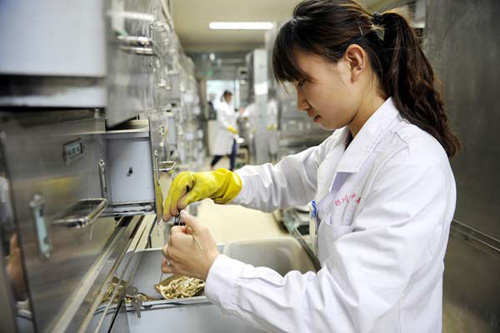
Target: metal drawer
(137, 154)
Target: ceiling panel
(191, 18)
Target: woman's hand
(182, 254)
(221, 185)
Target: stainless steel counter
(196, 314)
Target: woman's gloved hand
(232, 129)
(221, 185)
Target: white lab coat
(226, 116)
(385, 205)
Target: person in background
(225, 142)
(381, 187)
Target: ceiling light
(240, 25)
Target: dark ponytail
(328, 27)
(410, 80)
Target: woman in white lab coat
(225, 142)
(381, 185)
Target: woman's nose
(302, 103)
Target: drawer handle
(166, 166)
(135, 40)
(143, 51)
(37, 205)
(162, 166)
(82, 214)
(102, 178)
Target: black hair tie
(377, 18)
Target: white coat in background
(385, 204)
(250, 113)
(226, 116)
(272, 126)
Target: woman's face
(229, 97)
(333, 97)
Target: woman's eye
(301, 83)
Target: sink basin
(197, 314)
(282, 254)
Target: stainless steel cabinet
(51, 162)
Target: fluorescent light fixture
(240, 25)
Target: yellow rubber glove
(232, 130)
(221, 185)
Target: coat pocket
(338, 231)
(333, 231)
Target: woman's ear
(357, 59)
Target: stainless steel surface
(34, 145)
(462, 43)
(82, 214)
(282, 254)
(458, 33)
(135, 40)
(131, 208)
(471, 288)
(196, 314)
(183, 315)
(52, 92)
(166, 166)
(139, 52)
(162, 158)
(12, 278)
(475, 238)
(258, 71)
(147, 51)
(43, 241)
(120, 322)
(106, 315)
(171, 129)
(58, 168)
(172, 86)
(129, 166)
(8, 313)
(201, 317)
(73, 44)
(80, 311)
(103, 180)
(117, 55)
(137, 153)
(56, 60)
